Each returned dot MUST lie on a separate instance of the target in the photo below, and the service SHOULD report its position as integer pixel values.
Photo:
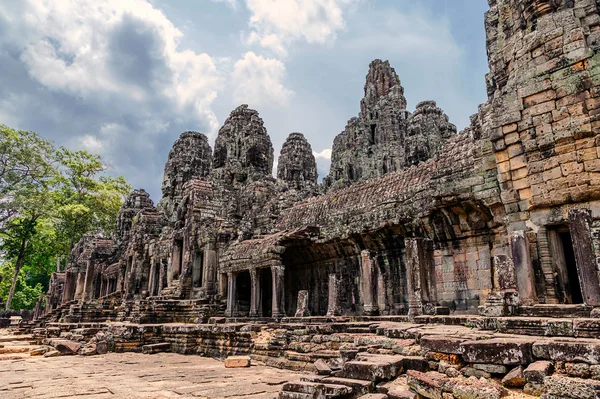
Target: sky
(123, 78)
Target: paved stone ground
(131, 375)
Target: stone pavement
(132, 375)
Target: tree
(86, 202)
(26, 160)
(48, 199)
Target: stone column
(519, 247)
(152, 277)
(80, 285)
(278, 308)
(254, 293)
(413, 276)
(231, 295)
(209, 280)
(176, 261)
(333, 296)
(302, 307)
(69, 288)
(369, 283)
(89, 281)
(102, 286)
(580, 221)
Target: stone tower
(428, 127)
(372, 144)
(297, 166)
(243, 149)
(135, 202)
(190, 157)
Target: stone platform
(353, 358)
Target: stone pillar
(254, 293)
(102, 286)
(80, 285)
(69, 288)
(278, 307)
(152, 277)
(519, 247)
(231, 294)
(176, 261)
(209, 280)
(413, 276)
(333, 297)
(580, 221)
(89, 281)
(302, 307)
(369, 283)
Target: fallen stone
(442, 344)
(375, 396)
(514, 378)
(315, 388)
(89, 350)
(580, 370)
(40, 351)
(595, 371)
(473, 388)
(66, 347)
(534, 389)
(237, 361)
(473, 372)
(498, 351)
(537, 371)
(156, 348)
(52, 353)
(321, 367)
(101, 347)
(430, 385)
(491, 368)
(585, 351)
(568, 387)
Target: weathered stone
(237, 361)
(498, 351)
(66, 347)
(568, 350)
(296, 164)
(473, 388)
(491, 368)
(537, 371)
(514, 378)
(321, 367)
(575, 388)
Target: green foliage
(49, 198)
(26, 293)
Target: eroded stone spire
(243, 149)
(297, 166)
(190, 157)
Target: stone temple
(490, 235)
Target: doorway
(243, 287)
(266, 292)
(568, 288)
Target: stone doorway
(568, 288)
(243, 285)
(266, 292)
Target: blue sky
(123, 78)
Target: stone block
(498, 351)
(320, 367)
(514, 378)
(575, 388)
(443, 344)
(430, 385)
(586, 351)
(237, 361)
(491, 368)
(473, 388)
(537, 371)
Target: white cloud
(258, 81)
(119, 67)
(325, 154)
(276, 24)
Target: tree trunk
(18, 265)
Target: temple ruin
(495, 227)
